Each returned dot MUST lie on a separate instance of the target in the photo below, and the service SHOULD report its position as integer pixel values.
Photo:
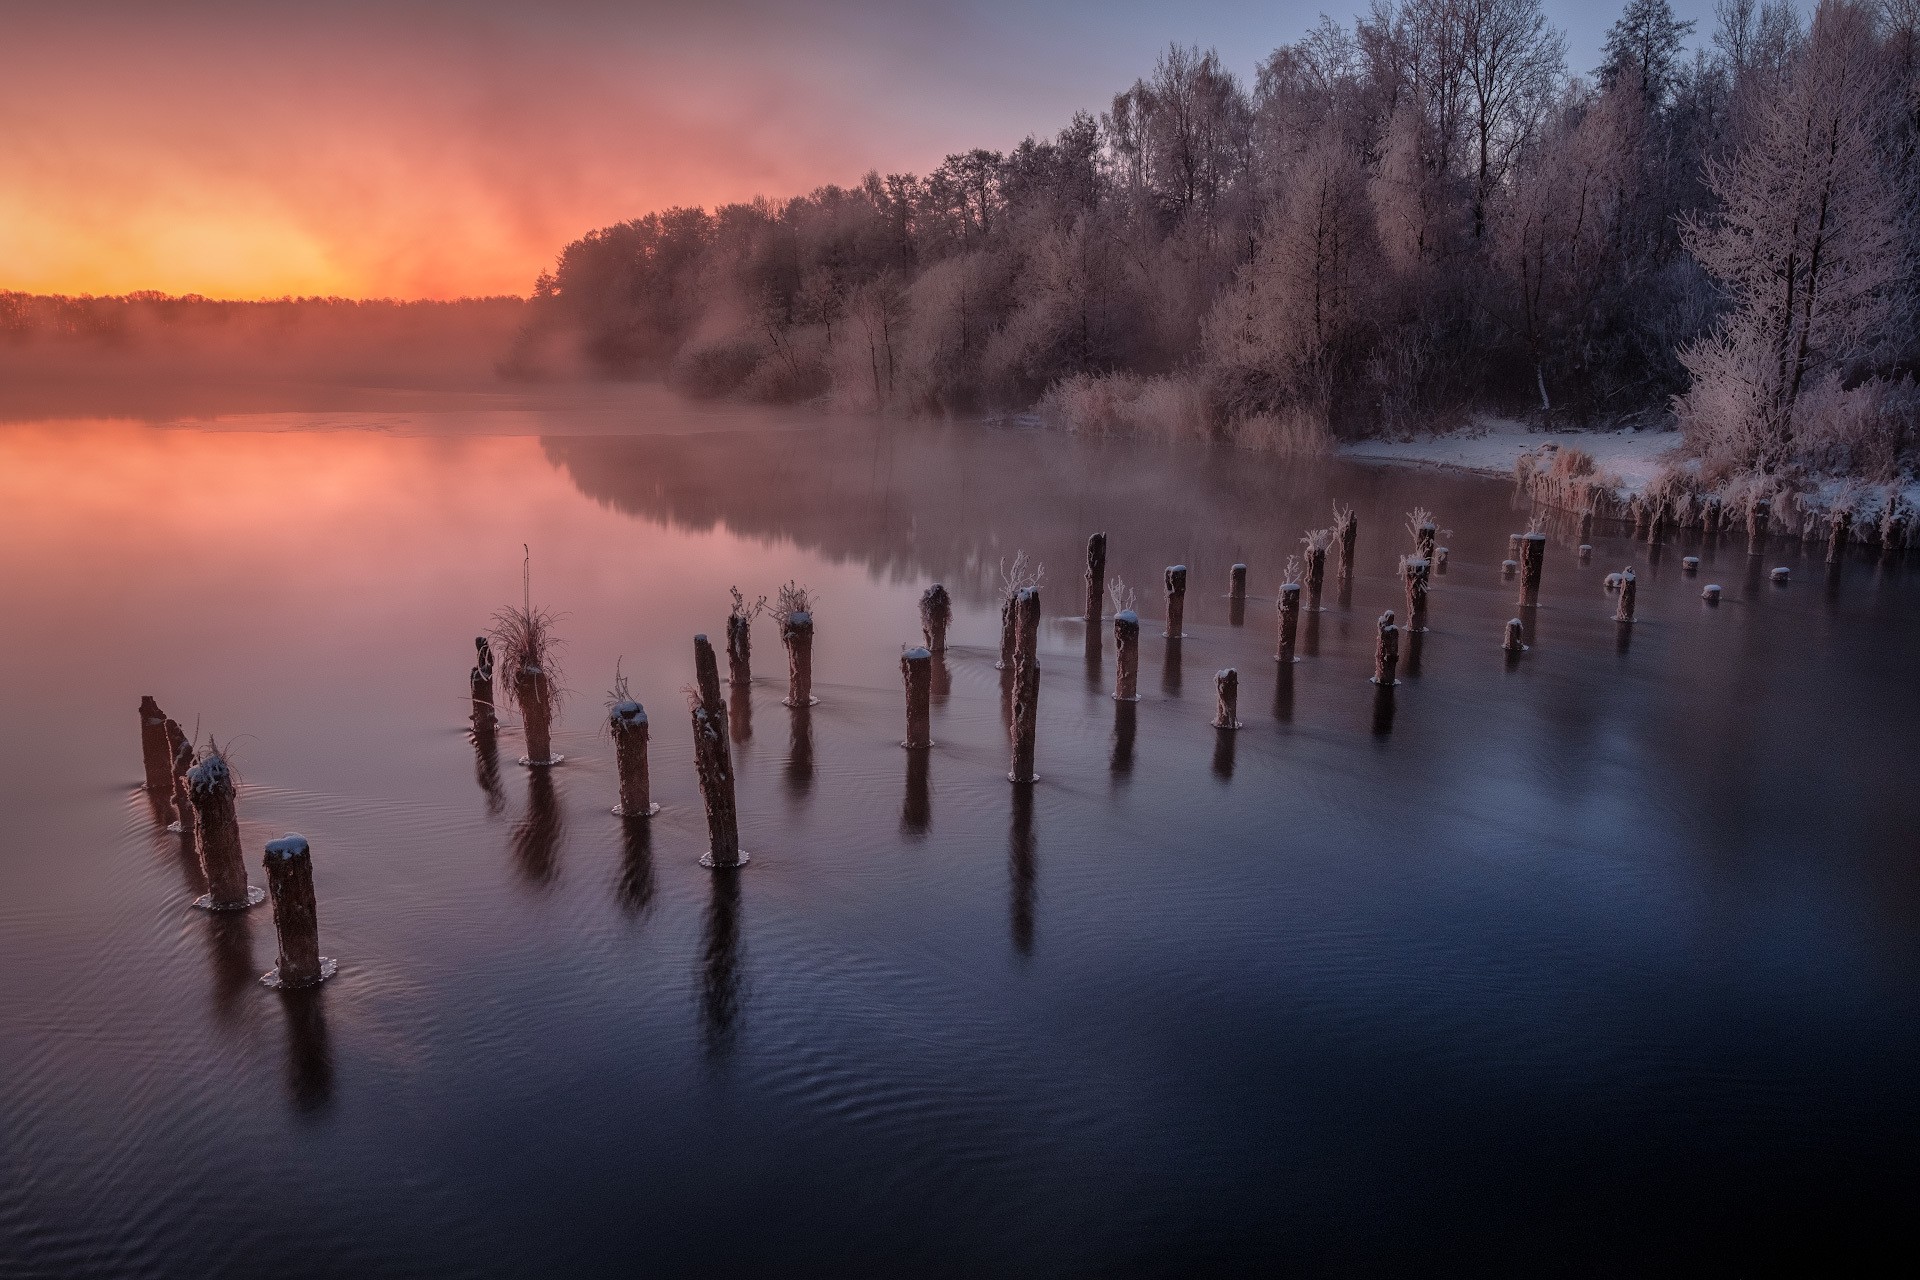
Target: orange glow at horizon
(375, 151)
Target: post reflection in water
(1096, 660)
(1223, 740)
(1623, 637)
(1310, 641)
(230, 947)
(942, 677)
(1020, 867)
(635, 888)
(720, 985)
(916, 812)
(800, 755)
(740, 712)
(536, 836)
(309, 1050)
(1346, 590)
(1237, 611)
(1382, 710)
(1283, 692)
(1415, 639)
(486, 767)
(1125, 720)
(1170, 673)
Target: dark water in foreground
(1607, 962)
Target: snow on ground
(1491, 445)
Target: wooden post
(1440, 559)
(713, 760)
(1348, 527)
(1711, 593)
(217, 832)
(1516, 641)
(627, 722)
(1009, 631)
(535, 694)
(1386, 652)
(1096, 578)
(1625, 612)
(739, 650)
(1026, 684)
(1126, 645)
(1289, 621)
(916, 668)
(1176, 601)
(1226, 685)
(182, 752)
(1533, 561)
(154, 755)
(296, 918)
(1416, 574)
(1424, 539)
(1316, 576)
(1839, 525)
(480, 683)
(1237, 582)
(936, 613)
(797, 634)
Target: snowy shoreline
(1491, 446)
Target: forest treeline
(1404, 219)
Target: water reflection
(1125, 721)
(1170, 671)
(1382, 710)
(1622, 637)
(1310, 641)
(1095, 661)
(486, 767)
(230, 948)
(1020, 867)
(916, 811)
(309, 1050)
(1236, 611)
(1283, 692)
(1416, 640)
(740, 712)
(720, 987)
(635, 888)
(942, 677)
(536, 836)
(799, 775)
(1223, 748)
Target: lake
(1604, 960)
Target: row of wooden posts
(202, 789)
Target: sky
(442, 148)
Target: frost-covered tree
(1646, 42)
(1806, 244)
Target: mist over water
(1604, 957)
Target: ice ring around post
(255, 896)
(548, 763)
(706, 860)
(620, 812)
(271, 978)
(810, 702)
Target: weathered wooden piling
(1711, 593)
(1237, 582)
(1126, 647)
(1425, 536)
(1509, 567)
(1533, 560)
(534, 693)
(1513, 546)
(1386, 652)
(796, 632)
(713, 760)
(1781, 574)
(1440, 559)
(296, 917)
(1689, 565)
(181, 751)
(936, 614)
(627, 724)
(1176, 601)
(480, 683)
(1416, 571)
(739, 650)
(154, 754)
(1316, 546)
(1624, 613)
(1226, 687)
(1347, 526)
(916, 668)
(1096, 579)
(1289, 621)
(1839, 526)
(1516, 640)
(1026, 685)
(1009, 630)
(1586, 552)
(217, 836)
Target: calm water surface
(1608, 961)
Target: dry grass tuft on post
(1317, 542)
(1015, 577)
(529, 650)
(1346, 527)
(213, 786)
(794, 612)
(740, 637)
